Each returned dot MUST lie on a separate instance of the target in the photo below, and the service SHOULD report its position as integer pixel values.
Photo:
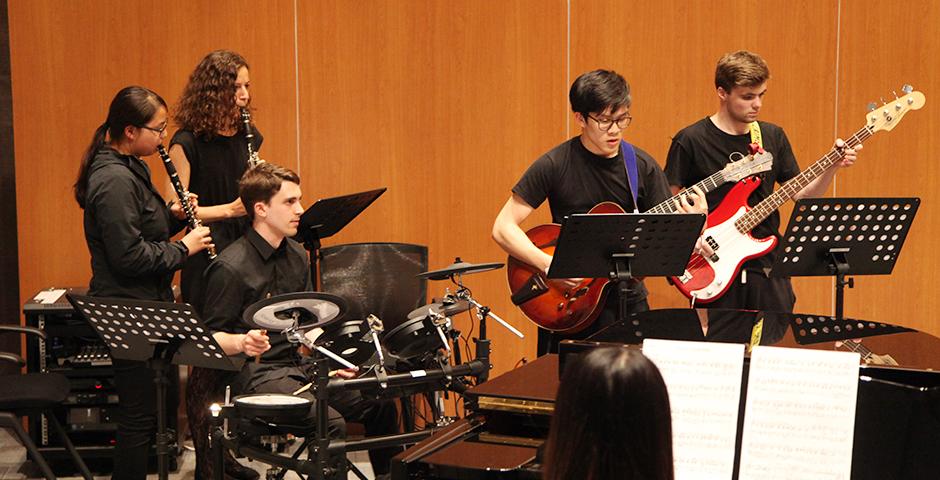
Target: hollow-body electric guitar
(728, 227)
(569, 310)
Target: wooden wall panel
(446, 104)
(68, 61)
(882, 49)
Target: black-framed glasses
(158, 131)
(604, 125)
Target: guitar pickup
(529, 290)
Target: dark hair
(741, 69)
(611, 420)
(261, 182)
(132, 106)
(597, 90)
(207, 104)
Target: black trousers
(757, 292)
(137, 416)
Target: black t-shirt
(574, 180)
(702, 149)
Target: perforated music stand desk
(157, 333)
(844, 236)
(327, 217)
(621, 246)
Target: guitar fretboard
(707, 185)
(789, 189)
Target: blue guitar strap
(633, 176)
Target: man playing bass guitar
(706, 146)
(582, 172)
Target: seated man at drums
(266, 262)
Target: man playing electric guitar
(706, 146)
(582, 172)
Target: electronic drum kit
(422, 353)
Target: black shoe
(238, 471)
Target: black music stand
(327, 217)
(159, 333)
(621, 246)
(844, 236)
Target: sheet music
(704, 383)
(49, 296)
(800, 416)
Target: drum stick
(258, 356)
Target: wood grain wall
(446, 103)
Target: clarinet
(182, 194)
(253, 158)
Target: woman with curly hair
(210, 152)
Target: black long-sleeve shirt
(128, 230)
(249, 270)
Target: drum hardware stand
(375, 328)
(482, 312)
(319, 465)
(295, 334)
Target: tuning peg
(872, 106)
(907, 88)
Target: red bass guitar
(570, 310)
(728, 232)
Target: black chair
(34, 394)
(376, 278)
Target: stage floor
(13, 455)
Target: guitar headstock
(886, 117)
(747, 166)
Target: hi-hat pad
(459, 268)
(310, 309)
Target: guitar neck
(793, 186)
(707, 185)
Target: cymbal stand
(375, 328)
(483, 312)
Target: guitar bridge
(533, 288)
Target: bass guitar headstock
(887, 116)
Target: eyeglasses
(158, 131)
(604, 125)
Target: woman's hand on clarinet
(177, 209)
(197, 240)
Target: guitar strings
(698, 261)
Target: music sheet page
(799, 421)
(704, 383)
